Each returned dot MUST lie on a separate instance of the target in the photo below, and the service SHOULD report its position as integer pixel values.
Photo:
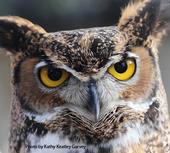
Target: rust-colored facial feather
(32, 98)
(146, 80)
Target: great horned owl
(96, 90)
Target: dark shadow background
(55, 15)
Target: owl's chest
(54, 143)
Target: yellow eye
(52, 77)
(123, 70)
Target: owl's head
(96, 73)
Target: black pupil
(54, 73)
(121, 67)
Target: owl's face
(89, 71)
(97, 82)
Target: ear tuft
(138, 20)
(15, 31)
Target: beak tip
(97, 117)
(94, 102)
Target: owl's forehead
(86, 49)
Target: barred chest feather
(56, 143)
(76, 134)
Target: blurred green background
(55, 15)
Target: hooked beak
(94, 104)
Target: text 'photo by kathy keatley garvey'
(56, 147)
(97, 89)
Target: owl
(95, 90)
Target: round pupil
(54, 73)
(121, 67)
